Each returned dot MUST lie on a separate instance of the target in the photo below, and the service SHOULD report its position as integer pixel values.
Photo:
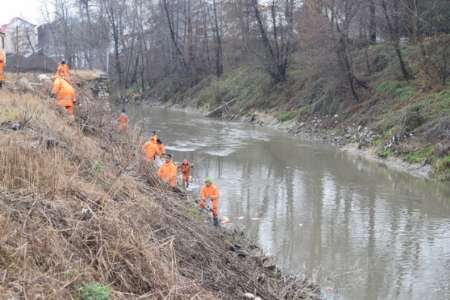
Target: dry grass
(87, 74)
(140, 241)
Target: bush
(95, 291)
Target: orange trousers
(2, 65)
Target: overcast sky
(29, 10)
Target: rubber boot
(216, 221)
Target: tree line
(143, 41)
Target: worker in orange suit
(150, 150)
(64, 93)
(63, 70)
(2, 67)
(168, 171)
(185, 169)
(161, 148)
(123, 121)
(210, 192)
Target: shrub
(95, 291)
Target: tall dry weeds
(141, 240)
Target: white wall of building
(21, 37)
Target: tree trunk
(394, 32)
(173, 36)
(219, 52)
(372, 22)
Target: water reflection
(363, 231)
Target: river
(360, 230)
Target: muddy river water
(357, 228)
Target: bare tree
(278, 47)
(392, 22)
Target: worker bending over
(64, 93)
(63, 70)
(210, 192)
(150, 149)
(185, 169)
(2, 67)
(123, 121)
(168, 171)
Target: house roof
(15, 19)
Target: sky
(29, 10)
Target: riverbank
(407, 121)
(355, 144)
(81, 214)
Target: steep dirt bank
(408, 120)
(81, 214)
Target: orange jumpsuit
(150, 148)
(63, 71)
(161, 149)
(186, 171)
(65, 94)
(168, 173)
(123, 122)
(211, 192)
(2, 64)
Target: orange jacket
(123, 121)
(168, 173)
(2, 63)
(161, 149)
(150, 150)
(209, 192)
(63, 71)
(64, 92)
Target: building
(2, 39)
(20, 37)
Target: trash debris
(225, 220)
(87, 213)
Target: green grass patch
(286, 115)
(385, 153)
(377, 141)
(401, 90)
(419, 156)
(436, 103)
(305, 110)
(95, 291)
(243, 85)
(442, 168)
